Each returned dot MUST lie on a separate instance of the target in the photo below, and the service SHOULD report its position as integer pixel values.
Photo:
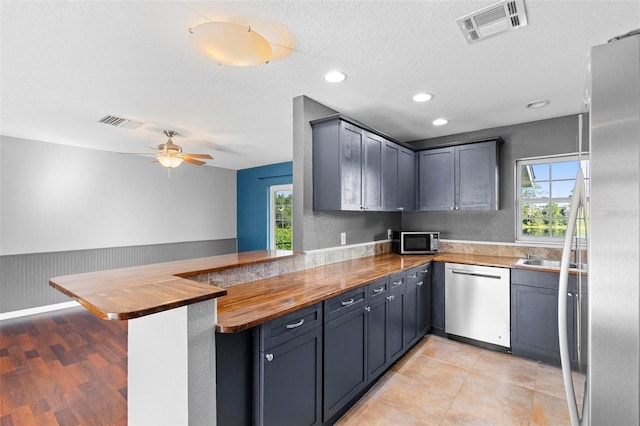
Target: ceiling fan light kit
(231, 44)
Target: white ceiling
(65, 65)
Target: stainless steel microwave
(421, 242)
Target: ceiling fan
(170, 155)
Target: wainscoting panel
(24, 278)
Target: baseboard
(38, 310)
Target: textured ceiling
(65, 65)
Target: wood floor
(66, 367)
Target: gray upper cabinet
(398, 178)
(461, 177)
(347, 167)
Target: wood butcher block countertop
(127, 293)
(250, 304)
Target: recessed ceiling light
(440, 121)
(538, 104)
(335, 76)
(422, 97)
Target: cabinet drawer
(345, 303)
(396, 280)
(378, 289)
(414, 275)
(289, 326)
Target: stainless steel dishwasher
(478, 303)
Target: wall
(533, 139)
(253, 203)
(66, 210)
(316, 230)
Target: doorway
(281, 217)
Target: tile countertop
(127, 293)
(253, 303)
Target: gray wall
(316, 230)
(66, 209)
(533, 139)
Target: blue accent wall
(253, 203)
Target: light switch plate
(343, 238)
(389, 234)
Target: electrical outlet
(343, 238)
(389, 234)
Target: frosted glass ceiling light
(231, 44)
(422, 97)
(335, 76)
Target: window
(281, 217)
(544, 187)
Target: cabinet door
(377, 360)
(406, 180)
(351, 160)
(291, 382)
(410, 323)
(436, 179)
(424, 300)
(345, 359)
(372, 172)
(395, 324)
(390, 176)
(438, 298)
(476, 176)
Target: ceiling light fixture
(231, 44)
(440, 121)
(422, 97)
(170, 155)
(335, 76)
(538, 104)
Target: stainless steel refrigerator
(613, 318)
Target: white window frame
(272, 220)
(518, 200)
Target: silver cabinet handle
(348, 302)
(451, 208)
(425, 271)
(476, 274)
(397, 282)
(401, 208)
(391, 297)
(368, 308)
(378, 290)
(420, 284)
(269, 357)
(413, 276)
(296, 324)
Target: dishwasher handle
(476, 274)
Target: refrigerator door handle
(576, 202)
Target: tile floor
(444, 382)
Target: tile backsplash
(496, 249)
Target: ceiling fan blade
(207, 156)
(137, 153)
(194, 161)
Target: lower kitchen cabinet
(534, 316)
(395, 323)
(437, 298)
(289, 379)
(424, 299)
(377, 332)
(345, 350)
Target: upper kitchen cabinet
(460, 177)
(347, 166)
(398, 178)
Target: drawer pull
(420, 284)
(347, 302)
(269, 357)
(397, 282)
(368, 308)
(413, 276)
(391, 297)
(425, 271)
(296, 324)
(378, 290)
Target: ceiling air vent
(120, 122)
(492, 20)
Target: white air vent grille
(492, 20)
(120, 122)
